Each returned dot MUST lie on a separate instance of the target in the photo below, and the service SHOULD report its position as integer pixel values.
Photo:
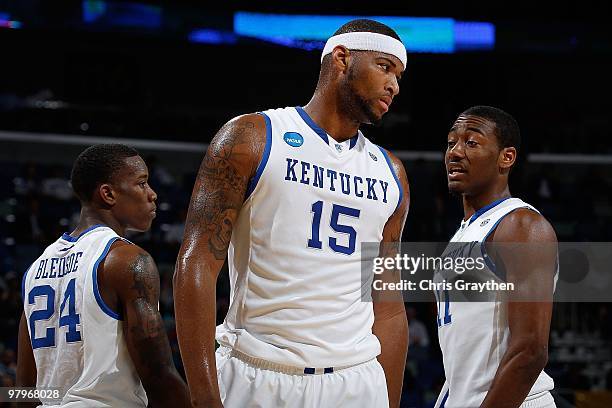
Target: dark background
(551, 68)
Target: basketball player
(91, 325)
(494, 352)
(292, 193)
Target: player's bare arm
(26, 365)
(130, 274)
(529, 322)
(218, 194)
(390, 322)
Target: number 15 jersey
(295, 252)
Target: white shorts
(541, 400)
(244, 382)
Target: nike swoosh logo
(65, 249)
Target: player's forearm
(195, 309)
(515, 375)
(167, 389)
(392, 332)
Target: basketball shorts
(541, 400)
(249, 382)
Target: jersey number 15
(337, 210)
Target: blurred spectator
(57, 186)
(418, 339)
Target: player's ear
(340, 58)
(507, 158)
(107, 194)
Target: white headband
(366, 41)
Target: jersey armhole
(483, 246)
(264, 157)
(23, 283)
(399, 186)
(96, 290)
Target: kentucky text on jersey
(58, 267)
(318, 176)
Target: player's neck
(473, 203)
(92, 216)
(325, 112)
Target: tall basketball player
(91, 325)
(292, 193)
(494, 352)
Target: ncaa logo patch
(372, 156)
(485, 222)
(293, 139)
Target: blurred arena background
(164, 77)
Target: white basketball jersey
(295, 253)
(474, 335)
(77, 339)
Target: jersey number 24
(69, 319)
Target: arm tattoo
(147, 329)
(220, 188)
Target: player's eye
(384, 66)
(450, 144)
(472, 143)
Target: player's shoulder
(124, 259)
(398, 167)
(524, 225)
(247, 126)
(242, 139)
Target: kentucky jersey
(474, 335)
(295, 252)
(76, 338)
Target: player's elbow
(534, 355)
(181, 271)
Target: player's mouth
(153, 212)
(455, 172)
(385, 102)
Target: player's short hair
(97, 165)
(507, 129)
(364, 25)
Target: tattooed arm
(390, 322)
(218, 194)
(129, 280)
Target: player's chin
(375, 117)
(143, 225)
(456, 187)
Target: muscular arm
(218, 194)
(530, 265)
(390, 322)
(132, 275)
(26, 365)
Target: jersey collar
(69, 238)
(486, 208)
(318, 130)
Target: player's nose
(456, 152)
(392, 86)
(152, 195)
